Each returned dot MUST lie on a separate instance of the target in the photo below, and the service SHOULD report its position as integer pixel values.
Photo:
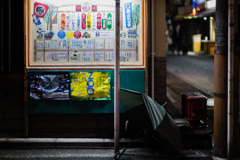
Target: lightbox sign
(81, 33)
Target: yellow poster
(91, 85)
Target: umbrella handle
(118, 154)
(164, 104)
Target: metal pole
(220, 79)
(116, 77)
(153, 50)
(233, 87)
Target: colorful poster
(128, 14)
(91, 85)
(49, 85)
(87, 27)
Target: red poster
(84, 21)
(99, 17)
(40, 9)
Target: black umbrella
(147, 112)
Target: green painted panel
(129, 79)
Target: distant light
(194, 12)
(211, 4)
(205, 18)
(211, 17)
(190, 17)
(210, 102)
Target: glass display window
(81, 33)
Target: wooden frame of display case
(29, 52)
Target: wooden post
(25, 113)
(220, 79)
(116, 77)
(153, 53)
(233, 78)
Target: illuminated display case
(81, 34)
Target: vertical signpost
(116, 77)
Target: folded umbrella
(147, 112)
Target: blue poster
(128, 14)
(61, 34)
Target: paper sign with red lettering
(40, 9)
(84, 23)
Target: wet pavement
(194, 69)
(101, 154)
(190, 73)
